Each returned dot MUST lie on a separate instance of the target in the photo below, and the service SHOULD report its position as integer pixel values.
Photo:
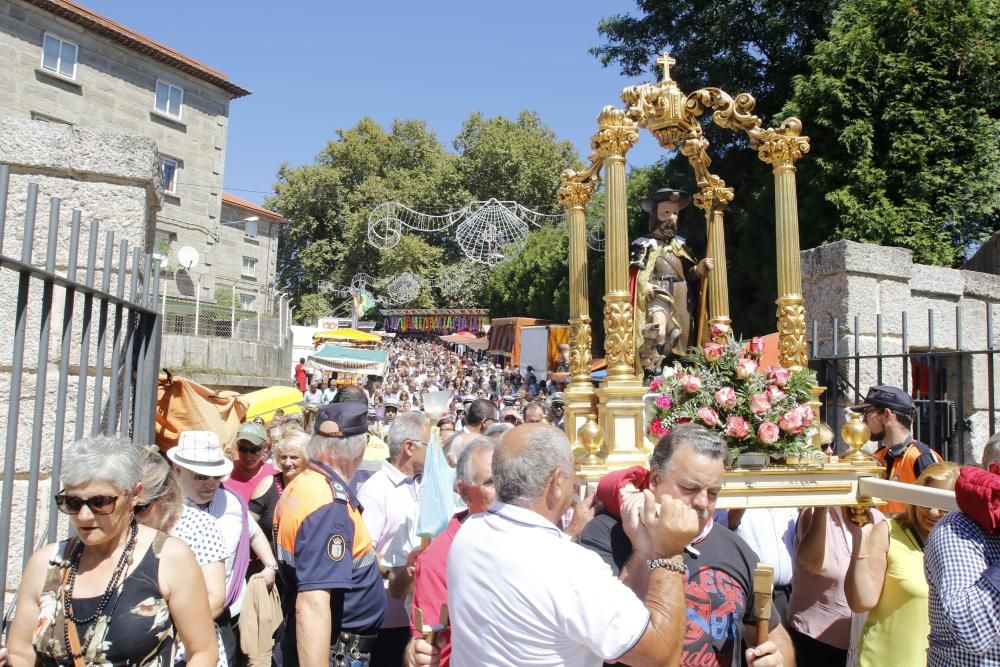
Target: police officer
(334, 599)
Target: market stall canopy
(333, 357)
(346, 335)
(505, 336)
(263, 402)
(468, 339)
(184, 405)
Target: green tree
(536, 283)
(514, 160)
(329, 202)
(904, 117)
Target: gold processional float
(608, 422)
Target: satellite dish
(187, 257)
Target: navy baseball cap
(350, 418)
(886, 396)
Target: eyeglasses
(419, 442)
(250, 449)
(99, 505)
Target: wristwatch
(274, 567)
(667, 564)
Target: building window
(250, 229)
(168, 171)
(247, 302)
(161, 246)
(168, 99)
(42, 118)
(249, 267)
(59, 56)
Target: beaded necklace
(116, 577)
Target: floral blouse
(135, 630)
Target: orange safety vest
(903, 470)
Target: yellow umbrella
(352, 335)
(263, 402)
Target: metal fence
(265, 324)
(106, 377)
(947, 365)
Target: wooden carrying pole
(763, 586)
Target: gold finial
(665, 61)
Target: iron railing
(116, 366)
(949, 381)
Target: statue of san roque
(662, 267)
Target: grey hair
(463, 469)
(991, 452)
(700, 439)
(160, 485)
(101, 458)
(498, 429)
(521, 478)
(326, 448)
(407, 426)
(454, 445)
(297, 440)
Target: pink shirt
(818, 605)
(244, 486)
(430, 584)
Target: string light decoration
(488, 232)
(398, 289)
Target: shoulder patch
(336, 547)
(339, 492)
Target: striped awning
(342, 359)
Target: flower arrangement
(722, 387)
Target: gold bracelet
(860, 556)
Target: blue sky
(315, 66)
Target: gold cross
(665, 61)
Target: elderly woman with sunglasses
(886, 579)
(119, 593)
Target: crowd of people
(283, 547)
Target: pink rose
(655, 384)
(664, 402)
(807, 414)
(708, 416)
(756, 345)
(768, 433)
(773, 393)
(718, 331)
(759, 404)
(690, 383)
(791, 422)
(745, 368)
(725, 398)
(657, 429)
(737, 427)
(713, 351)
(779, 375)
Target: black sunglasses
(99, 505)
(250, 449)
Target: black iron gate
(940, 379)
(116, 365)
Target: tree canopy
(328, 203)
(898, 98)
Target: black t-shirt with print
(719, 587)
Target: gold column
(621, 408)
(714, 201)
(781, 148)
(581, 398)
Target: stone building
(61, 63)
(866, 291)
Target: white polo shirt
(521, 593)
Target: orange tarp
(183, 405)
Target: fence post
(257, 303)
(232, 312)
(197, 305)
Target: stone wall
(224, 358)
(945, 311)
(113, 179)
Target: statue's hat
(665, 194)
